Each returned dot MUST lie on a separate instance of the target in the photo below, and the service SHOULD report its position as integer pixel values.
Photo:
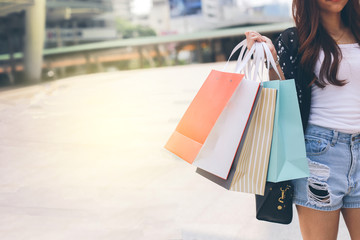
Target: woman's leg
(352, 220)
(318, 225)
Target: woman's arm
(273, 75)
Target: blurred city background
(90, 92)
(42, 40)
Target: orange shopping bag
(200, 117)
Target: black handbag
(276, 204)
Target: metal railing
(158, 40)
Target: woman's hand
(252, 37)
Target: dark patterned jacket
(287, 45)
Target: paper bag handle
(251, 69)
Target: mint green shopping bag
(288, 154)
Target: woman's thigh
(319, 225)
(352, 220)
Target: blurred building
(70, 22)
(186, 16)
(123, 9)
(12, 23)
(27, 26)
(219, 10)
(229, 13)
(159, 17)
(7, 7)
(22, 24)
(184, 7)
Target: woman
(322, 54)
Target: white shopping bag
(217, 154)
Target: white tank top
(336, 107)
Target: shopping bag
(203, 112)
(249, 169)
(217, 153)
(288, 155)
(200, 117)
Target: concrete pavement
(83, 158)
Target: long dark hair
(313, 36)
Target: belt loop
(335, 138)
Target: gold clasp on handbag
(281, 199)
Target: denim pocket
(316, 145)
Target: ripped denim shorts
(334, 164)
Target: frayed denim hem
(351, 205)
(308, 205)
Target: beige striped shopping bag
(253, 160)
(249, 169)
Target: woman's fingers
(249, 40)
(252, 37)
(255, 35)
